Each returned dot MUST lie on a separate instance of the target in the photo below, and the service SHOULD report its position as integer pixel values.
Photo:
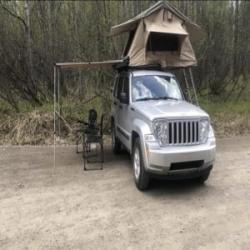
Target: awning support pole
(55, 81)
(58, 101)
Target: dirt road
(42, 207)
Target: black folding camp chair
(92, 140)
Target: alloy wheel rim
(137, 163)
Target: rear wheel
(116, 144)
(140, 175)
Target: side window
(115, 87)
(126, 86)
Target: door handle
(120, 106)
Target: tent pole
(187, 85)
(193, 85)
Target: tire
(141, 177)
(203, 178)
(116, 144)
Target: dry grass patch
(33, 127)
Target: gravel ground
(62, 207)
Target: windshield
(155, 87)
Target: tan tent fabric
(163, 21)
(193, 29)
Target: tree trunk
(29, 45)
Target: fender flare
(141, 128)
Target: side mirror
(124, 98)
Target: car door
(124, 122)
(115, 100)
(117, 107)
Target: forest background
(36, 34)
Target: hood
(153, 109)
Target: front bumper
(158, 159)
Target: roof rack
(148, 67)
(124, 66)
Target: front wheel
(140, 175)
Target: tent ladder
(187, 86)
(193, 86)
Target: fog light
(149, 138)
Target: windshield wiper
(157, 98)
(167, 98)
(146, 99)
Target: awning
(85, 65)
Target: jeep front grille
(182, 132)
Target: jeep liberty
(165, 135)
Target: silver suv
(165, 135)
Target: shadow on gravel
(110, 157)
(159, 187)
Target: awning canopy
(85, 65)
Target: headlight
(204, 130)
(211, 132)
(160, 128)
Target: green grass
(228, 118)
(70, 108)
(228, 108)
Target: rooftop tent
(159, 35)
